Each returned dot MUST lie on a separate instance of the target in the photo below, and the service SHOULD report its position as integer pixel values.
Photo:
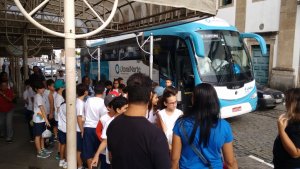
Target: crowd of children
(98, 105)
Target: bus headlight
(267, 96)
(254, 96)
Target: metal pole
(151, 57)
(51, 63)
(25, 57)
(69, 29)
(99, 71)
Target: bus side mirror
(197, 42)
(259, 39)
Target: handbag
(195, 150)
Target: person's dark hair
(168, 92)
(2, 75)
(38, 85)
(27, 82)
(125, 90)
(121, 86)
(139, 88)
(64, 94)
(81, 89)
(205, 111)
(108, 83)
(49, 82)
(292, 103)
(150, 105)
(83, 78)
(120, 78)
(118, 103)
(99, 89)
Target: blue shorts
(38, 128)
(90, 143)
(62, 138)
(79, 141)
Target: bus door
(184, 75)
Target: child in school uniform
(82, 91)
(40, 120)
(62, 130)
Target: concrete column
(283, 74)
(69, 29)
(240, 19)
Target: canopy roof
(130, 16)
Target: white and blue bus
(204, 51)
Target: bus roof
(211, 23)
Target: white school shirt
(38, 101)
(104, 119)
(58, 99)
(169, 121)
(79, 111)
(62, 118)
(94, 109)
(27, 95)
(104, 136)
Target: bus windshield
(226, 59)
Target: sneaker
(47, 151)
(65, 166)
(61, 163)
(42, 155)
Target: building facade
(278, 21)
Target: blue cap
(159, 91)
(59, 84)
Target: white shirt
(104, 136)
(151, 117)
(58, 99)
(169, 121)
(94, 109)
(104, 120)
(62, 118)
(79, 111)
(28, 94)
(37, 116)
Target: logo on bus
(117, 68)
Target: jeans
(6, 124)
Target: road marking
(261, 160)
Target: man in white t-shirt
(94, 109)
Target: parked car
(47, 71)
(267, 97)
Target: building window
(225, 2)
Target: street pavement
(254, 134)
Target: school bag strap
(194, 148)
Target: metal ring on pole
(94, 32)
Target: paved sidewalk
(21, 153)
